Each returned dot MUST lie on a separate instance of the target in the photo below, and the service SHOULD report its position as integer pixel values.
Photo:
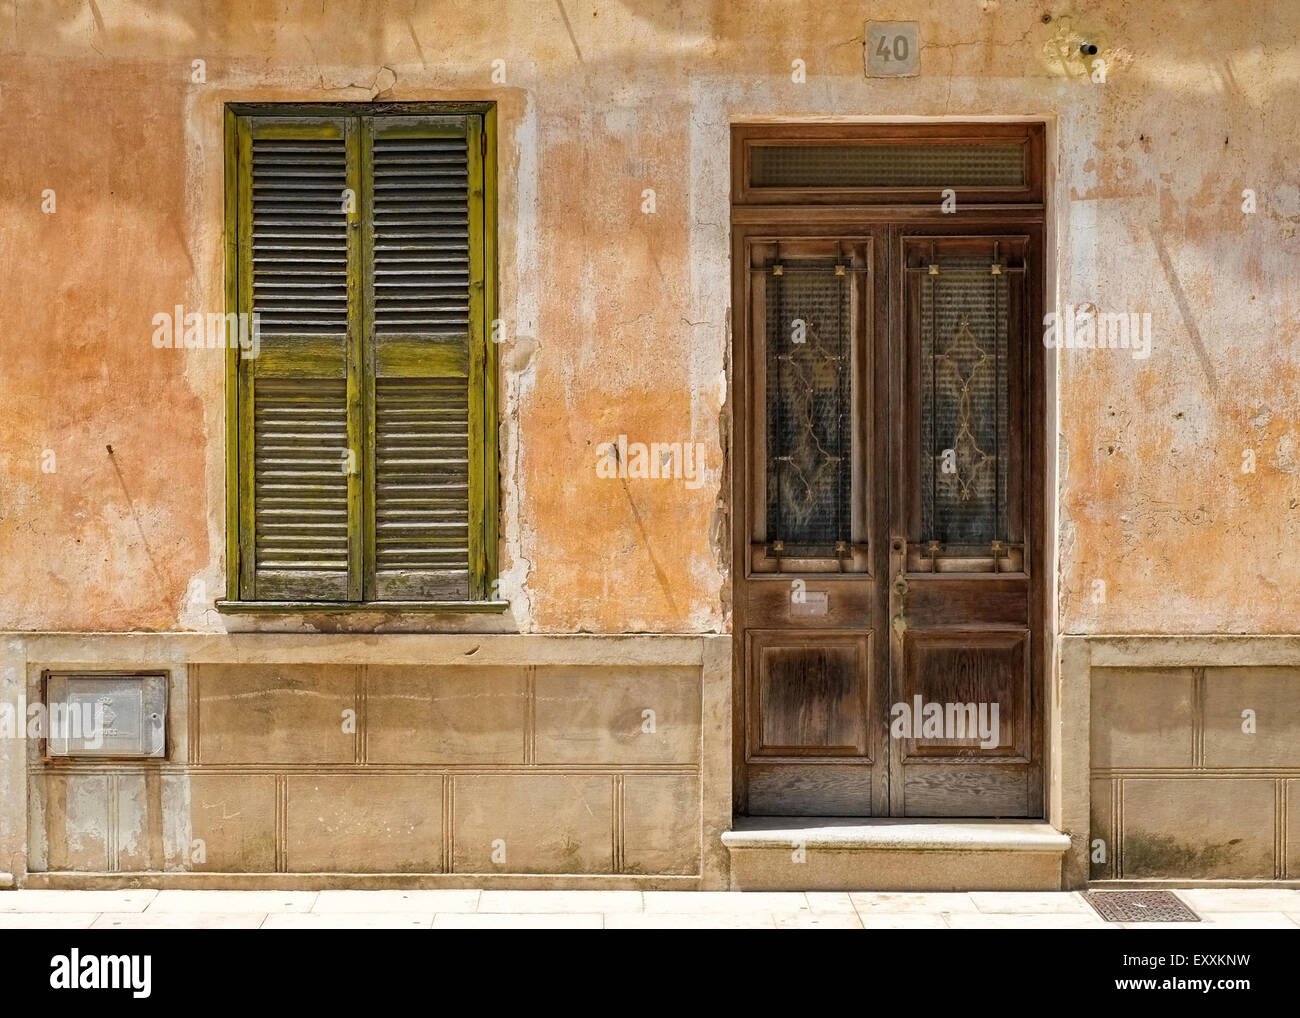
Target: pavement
(1255, 908)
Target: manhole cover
(1140, 907)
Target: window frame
(483, 383)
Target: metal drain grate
(1140, 907)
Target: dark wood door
(888, 608)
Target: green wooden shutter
(424, 326)
(300, 407)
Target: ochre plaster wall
(618, 321)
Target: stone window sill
(351, 607)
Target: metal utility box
(105, 715)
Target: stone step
(890, 854)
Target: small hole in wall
(1089, 49)
(1047, 19)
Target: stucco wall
(617, 320)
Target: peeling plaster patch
(1070, 50)
(197, 609)
(518, 365)
(86, 821)
(204, 203)
(178, 830)
(709, 331)
(1190, 428)
(1288, 454)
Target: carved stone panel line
(192, 714)
(114, 822)
(448, 821)
(530, 726)
(1198, 717)
(1280, 830)
(360, 715)
(281, 822)
(620, 820)
(1117, 827)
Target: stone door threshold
(894, 854)
(896, 833)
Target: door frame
(855, 214)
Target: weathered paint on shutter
(301, 420)
(423, 256)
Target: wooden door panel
(809, 602)
(948, 771)
(978, 681)
(935, 601)
(810, 695)
(821, 790)
(952, 790)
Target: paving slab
(560, 901)
(1249, 920)
(47, 920)
(903, 921)
(517, 921)
(919, 901)
(1031, 902)
(711, 920)
(1040, 921)
(232, 901)
(816, 921)
(425, 902)
(397, 920)
(148, 920)
(1221, 908)
(830, 902)
(709, 902)
(76, 901)
(1241, 899)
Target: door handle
(900, 614)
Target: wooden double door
(888, 472)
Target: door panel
(811, 695)
(966, 695)
(888, 604)
(826, 790)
